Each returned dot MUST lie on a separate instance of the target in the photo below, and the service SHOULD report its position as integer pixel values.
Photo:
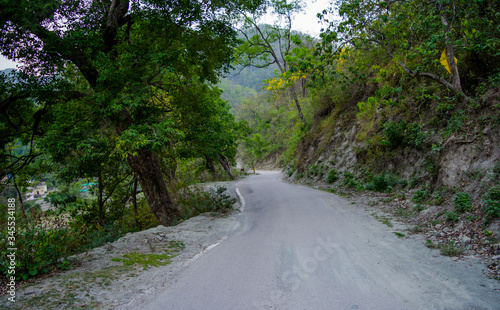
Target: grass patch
(144, 260)
(450, 249)
(431, 245)
(399, 235)
(462, 202)
(383, 219)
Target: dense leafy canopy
(125, 78)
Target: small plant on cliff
(462, 202)
(420, 196)
(332, 176)
(382, 182)
(496, 171)
(394, 133)
(492, 202)
(452, 216)
(313, 171)
(349, 180)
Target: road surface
(300, 248)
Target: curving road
(299, 248)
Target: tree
(210, 129)
(123, 52)
(415, 33)
(265, 45)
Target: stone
(464, 240)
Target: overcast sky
(306, 22)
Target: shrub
(492, 202)
(194, 200)
(394, 133)
(349, 180)
(313, 171)
(382, 182)
(332, 176)
(496, 171)
(403, 183)
(420, 196)
(450, 249)
(452, 216)
(402, 134)
(414, 135)
(462, 202)
(41, 251)
(437, 199)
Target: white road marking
(242, 200)
(204, 251)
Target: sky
(306, 22)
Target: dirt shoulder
(119, 272)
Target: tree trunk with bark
(224, 161)
(297, 104)
(147, 171)
(211, 167)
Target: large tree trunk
(147, 171)
(211, 167)
(226, 165)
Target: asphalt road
(299, 248)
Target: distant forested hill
(244, 83)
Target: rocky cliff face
(463, 159)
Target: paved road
(299, 248)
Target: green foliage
(349, 180)
(43, 250)
(496, 171)
(367, 109)
(403, 183)
(145, 260)
(332, 176)
(420, 196)
(194, 201)
(454, 124)
(403, 134)
(451, 216)
(462, 202)
(313, 171)
(492, 202)
(394, 133)
(382, 182)
(399, 235)
(450, 249)
(438, 199)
